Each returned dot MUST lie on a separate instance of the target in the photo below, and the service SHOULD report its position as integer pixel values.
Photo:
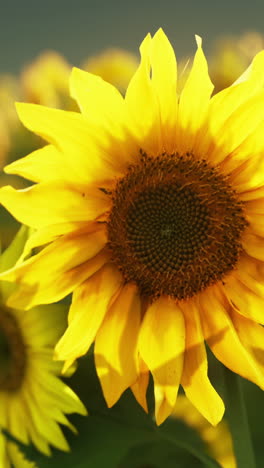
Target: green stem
(236, 414)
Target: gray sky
(77, 28)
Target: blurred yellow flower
(33, 400)
(113, 65)
(4, 141)
(218, 439)
(9, 122)
(9, 93)
(231, 56)
(152, 206)
(45, 80)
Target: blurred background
(83, 27)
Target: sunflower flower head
(33, 398)
(150, 211)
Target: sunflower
(149, 209)
(33, 399)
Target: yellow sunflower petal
(47, 234)
(97, 98)
(115, 345)
(54, 202)
(254, 73)
(251, 335)
(256, 224)
(253, 245)
(71, 133)
(16, 418)
(89, 306)
(254, 197)
(17, 407)
(67, 262)
(224, 103)
(253, 206)
(245, 293)
(236, 128)
(42, 165)
(245, 301)
(139, 388)
(4, 458)
(256, 227)
(37, 439)
(223, 339)
(194, 102)
(104, 107)
(3, 409)
(142, 104)
(164, 79)
(15, 456)
(10, 256)
(69, 402)
(161, 345)
(46, 427)
(245, 164)
(195, 380)
(51, 412)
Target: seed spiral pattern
(175, 225)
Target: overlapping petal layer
(195, 370)
(161, 345)
(31, 206)
(116, 345)
(70, 260)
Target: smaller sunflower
(45, 80)
(33, 400)
(116, 66)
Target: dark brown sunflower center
(175, 226)
(13, 357)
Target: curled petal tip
(198, 40)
